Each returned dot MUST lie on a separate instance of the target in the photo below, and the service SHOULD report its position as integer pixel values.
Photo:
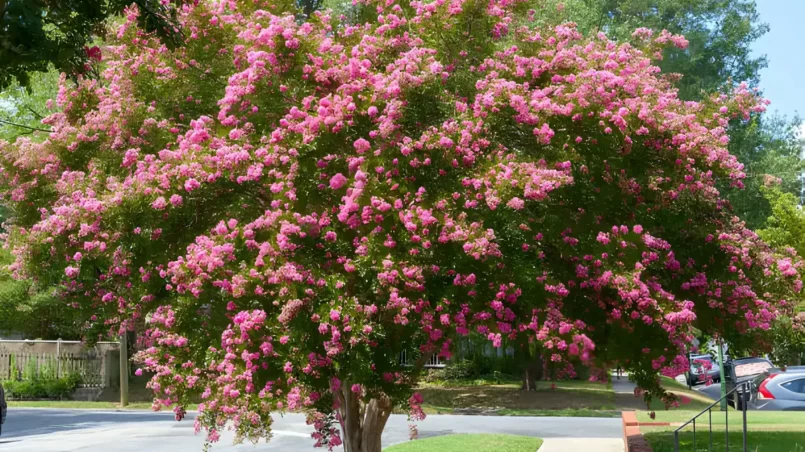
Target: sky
(783, 81)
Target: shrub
(39, 388)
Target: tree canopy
(291, 204)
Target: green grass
(756, 441)
(481, 381)
(769, 431)
(83, 405)
(75, 404)
(474, 443)
(755, 419)
(690, 400)
(515, 384)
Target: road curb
(633, 440)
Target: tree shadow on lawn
(689, 399)
(492, 398)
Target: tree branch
(36, 113)
(3, 121)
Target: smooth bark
(363, 423)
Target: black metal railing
(742, 391)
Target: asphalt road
(48, 430)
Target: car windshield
(751, 368)
(699, 361)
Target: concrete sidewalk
(624, 395)
(582, 445)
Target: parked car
(3, 408)
(739, 371)
(780, 390)
(703, 368)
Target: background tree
(767, 146)
(38, 34)
(788, 336)
(23, 109)
(785, 227)
(35, 314)
(291, 204)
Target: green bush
(51, 388)
(31, 371)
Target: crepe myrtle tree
(291, 204)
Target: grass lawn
(690, 400)
(83, 405)
(474, 443)
(756, 441)
(76, 404)
(769, 431)
(783, 419)
(569, 398)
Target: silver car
(780, 390)
(702, 369)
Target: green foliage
(789, 341)
(39, 33)
(34, 313)
(786, 224)
(767, 145)
(461, 370)
(23, 108)
(786, 228)
(31, 370)
(41, 387)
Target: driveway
(46, 430)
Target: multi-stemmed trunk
(531, 365)
(362, 423)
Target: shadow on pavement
(22, 422)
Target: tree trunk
(362, 424)
(532, 371)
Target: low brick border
(633, 440)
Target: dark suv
(739, 371)
(2, 408)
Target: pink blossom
(337, 181)
(191, 184)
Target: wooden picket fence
(30, 366)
